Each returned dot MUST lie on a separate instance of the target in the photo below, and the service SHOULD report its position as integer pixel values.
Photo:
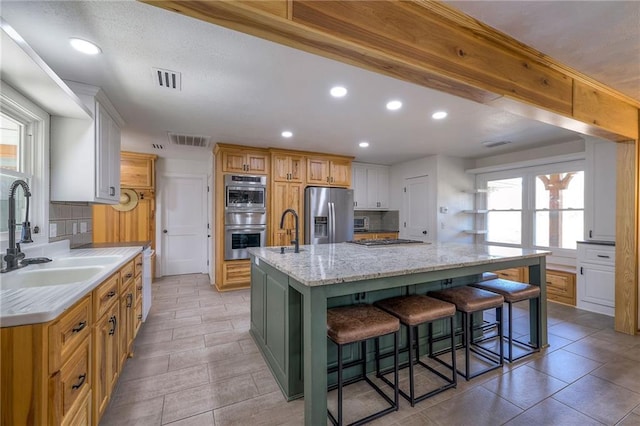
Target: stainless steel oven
(245, 193)
(238, 238)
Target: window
(24, 129)
(536, 207)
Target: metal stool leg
(510, 337)
(453, 348)
(339, 385)
(411, 384)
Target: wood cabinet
(370, 186)
(138, 224)
(561, 286)
(600, 191)
(243, 160)
(286, 196)
(63, 372)
(86, 153)
(596, 278)
(286, 167)
(520, 275)
(375, 236)
(329, 171)
(137, 170)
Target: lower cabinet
(596, 278)
(561, 287)
(63, 372)
(235, 274)
(375, 236)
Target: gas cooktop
(385, 242)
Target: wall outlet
(53, 230)
(444, 209)
(83, 227)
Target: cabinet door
(359, 184)
(372, 189)
(127, 324)
(596, 287)
(281, 168)
(256, 163)
(233, 161)
(285, 196)
(135, 225)
(382, 183)
(296, 168)
(105, 188)
(136, 171)
(340, 172)
(317, 171)
(600, 191)
(105, 359)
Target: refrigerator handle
(332, 223)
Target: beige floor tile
(167, 324)
(204, 419)
(136, 368)
(248, 345)
(564, 365)
(222, 337)
(151, 350)
(142, 413)
(202, 329)
(478, 406)
(524, 386)
(632, 419)
(204, 355)
(599, 399)
(571, 331)
(623, 373)
(595, 349)
(236, 365)
(186, 403)
(551, 412)
(149, 387)
(264, 381)
(145, 336)
(270, 409)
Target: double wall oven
(245, 218)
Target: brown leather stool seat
(513, 292)
(469, 300)
(359, 323)
(413, 311)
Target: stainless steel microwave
(360, 223)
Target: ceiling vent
(157, 146)
(495, 144)
(167, 79)
(190, 140)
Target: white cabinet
(370, 186)
(596, 278)
(600, 191)
(85, 154)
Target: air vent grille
(157, 146)
(167, 79)
(190, 140)
(495, 144)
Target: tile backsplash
(71, 221)
(381, 220)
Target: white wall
(448, 181)
(564, 148)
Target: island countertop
(326, 264)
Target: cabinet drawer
(81, 416)
(137, 265)
(561, 284)
(68, 331)
(75, 377)
(513, 274)
(106, 295)
(236, 272)
(127, 274)
(599, 254)
(387, 236)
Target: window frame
(529, 176)
(35, 160)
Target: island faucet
(14, 255)
(296, 241)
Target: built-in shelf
(475, 211)
(475, 231)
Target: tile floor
(196, 364)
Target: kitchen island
(290, 293)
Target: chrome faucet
(14, 255)
(296, 242)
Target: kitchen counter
(142, 244)
(38, 304)
(290, 294)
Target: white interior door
(416, 207)
(184, 227)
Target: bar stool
(412, 311)
(469, 300)
(513, 292)
(359, 323)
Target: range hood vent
(167, 79)
(495, 144)
(190, 140)
(157, 146)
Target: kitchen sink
(28, 278)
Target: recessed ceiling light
(394, 105)
(84, 46)
(286, 134)
(363, 144)
(338, 91)
(439, 115)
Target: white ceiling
(240, 89)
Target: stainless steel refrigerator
(329, 215)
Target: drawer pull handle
(140, 317)
(111, 294)
(130, 297)
(139, 288)
(129, 275)
(79, 327)
(81, 380)
(603, 256)
(114, 321)
(549, 282)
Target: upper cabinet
(243, 161)
(370, 186)
(600, 191)
(329, 171)
(287, 167)
(137, 170)
(85, 154)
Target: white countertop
(45, 303)
(325, 264)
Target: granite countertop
(38, 304)
(325, 264)
(600, 243)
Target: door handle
(424, 232)
(164, 231)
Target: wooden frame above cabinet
(137, 170)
